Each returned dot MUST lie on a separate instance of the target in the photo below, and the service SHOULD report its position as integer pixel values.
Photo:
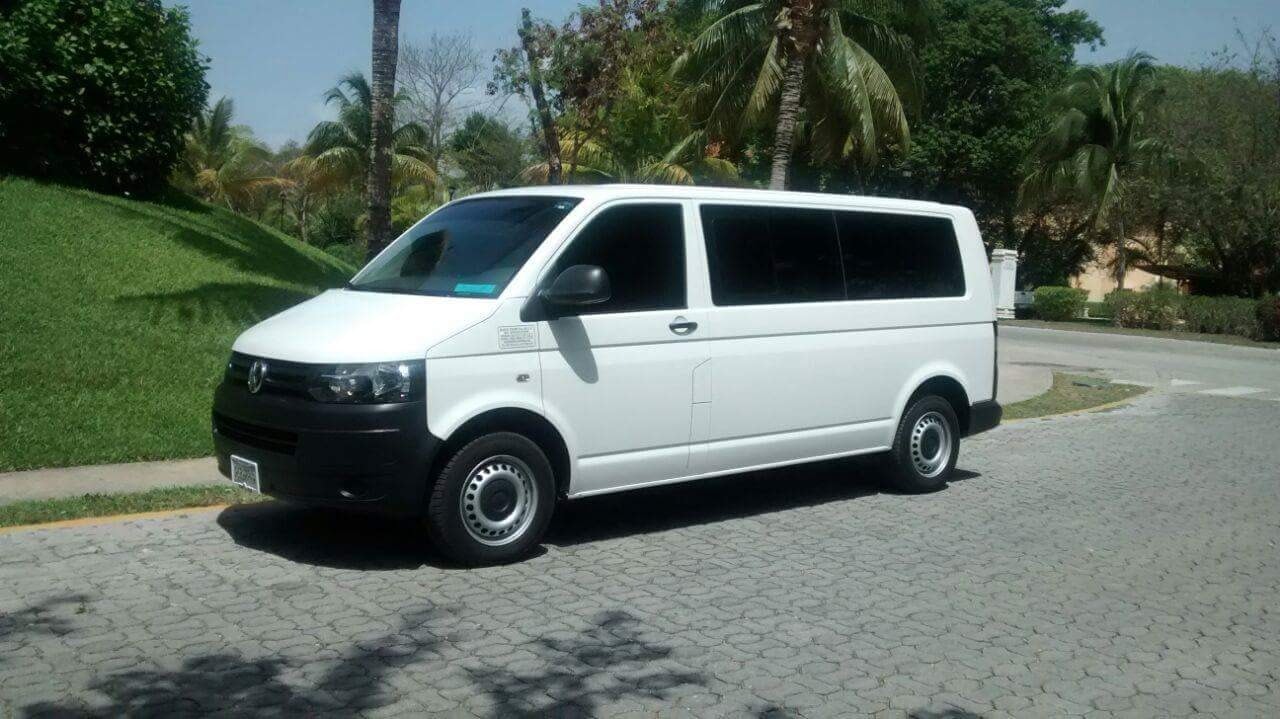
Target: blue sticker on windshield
(465, 288)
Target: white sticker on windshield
(517, 337)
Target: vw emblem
(257, 372)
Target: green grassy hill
(116, 317)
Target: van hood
(351, 326)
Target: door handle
(681, 326)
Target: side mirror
(575, 287)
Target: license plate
(244, 472)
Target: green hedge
(1165, 308)
(1269, 317)
(1058, 304)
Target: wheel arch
(512, 419)
(943, 384)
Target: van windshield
(468, 249)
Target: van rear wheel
(493, 500)
(925, 447)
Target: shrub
(1155, 307)
(1059, 303)
(1220, 315)
(1098, 310)
(1268, 314)
(97, 91)
(350, 253)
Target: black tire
(907, 466)
(496, 466)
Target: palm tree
(852, 72)
(687, 163)
(343, 147)
(1098, 145)
(223, 163)
(304, 181)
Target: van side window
(767, 255)
(641, 248)
(888, 256)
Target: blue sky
(276, 59)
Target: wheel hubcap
(498, 500)
(931, 444)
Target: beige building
(1098, 279)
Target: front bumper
(984, 416)
(374, 457)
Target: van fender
(445, 425)
(929, 371)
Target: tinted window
(468, 249)
(641, 248)
(765, 255)
(899, 256)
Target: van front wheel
(925, 447)
(492, 501)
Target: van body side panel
(491, 365)
(805, 380)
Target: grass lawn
(40, 511)
(1107, 328)
(1070, 393)
(118, 316)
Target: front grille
(287, 378)
(255, 435)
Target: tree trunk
(549, 134)
(795, 45)
(386, 24)
(1122, 255)
(302, 220)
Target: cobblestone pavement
(1123, 562)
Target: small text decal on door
(517, 337)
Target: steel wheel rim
(498, 500)
(931, 444)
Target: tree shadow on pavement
(51, 616)
(577, 674)
(229, 683)
(609, 661)
(718, 499)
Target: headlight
(369, 383)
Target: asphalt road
(1178, 366)
(1115, 563)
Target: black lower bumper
(370, 457)
(984, 416)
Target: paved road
(1122, 562)
(1178, 366)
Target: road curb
(1084, 410)
(112, 518)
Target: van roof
(731, 194)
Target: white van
(520, 347)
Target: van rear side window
(893, 257)
(772, 255)
(776, 255)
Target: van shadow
(349, 540)
(328, 538)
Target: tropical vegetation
(1172, 170)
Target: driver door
(620, 373)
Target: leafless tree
(432, 77)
